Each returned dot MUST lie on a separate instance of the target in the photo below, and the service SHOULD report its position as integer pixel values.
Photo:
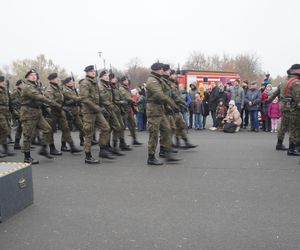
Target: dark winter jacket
(253, 99)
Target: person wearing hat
(233, 117)
(192, 93)
(31, 116)
(106, 97)
(58, 115)
(119, 102)
(4, 118)
(157, 120)
(128, 115)
(244, 110)
(72, 102)
(92, 116)
(16, 106)
(253, 101)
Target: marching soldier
(16, 106)
(106, 99)
(72, 108)
(92, 116)
(4, 118)
(58, 115)
(157, 120)
(31, 116)
(128, 115)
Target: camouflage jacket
(16, 101)
(294, 92)
(90, 96)
(106, 95)
(4, 100)
(126, 96)
(71, 97)
(54, 93)
(156, 97)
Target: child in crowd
(221, 113)
(274, 113)
(198, 111)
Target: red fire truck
(205, 78)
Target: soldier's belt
(31, 106)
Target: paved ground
(233, 192)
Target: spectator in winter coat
(233, 116)
(244, 111)
(213, 103)
(264, 108)
(185, 97)
(274, 113)
(204, 95)
(221, 113)
(198, 111)
(237, 94)
(192, 93)
(223, 95)
(252, 102)
(141, 109)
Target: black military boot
(292, 150)
(81, 141)
(124, 146)
(54, 151)
(94, 141)
(115, 149)
(163, 152)
(44, 152)
(17, 144)
(153, 161)
(36, 141)
(64, 147)
(280, 146)
(136, 142)
(7, 151)
(89, 159)
(74, 149)
(104, 153)
(170, 157)
(2, 155)
(29, 159)
(188, 145)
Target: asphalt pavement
(234, 191)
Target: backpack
(229, 127)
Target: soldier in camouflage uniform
(72, 108)
(93, 117)
(4, 118)
(58, 116)
(120, 111)
(128, 114)
(157, 120)
(16, 106)
(106, 100)
(31, 116)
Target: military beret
(29, 72)
(123, 78)
(166, 67)
(2, 78)
(89, 68)
(111, 76)
(52, 76)
(172, 72)
(102, 73)
(19, 82)
(157, 66)
(295, 66)
(67, 80)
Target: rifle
(97, 80)
(9, 97)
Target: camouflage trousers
(90, 122)
(29, 128)
(129, 118)
(156, 125)
(294, 126)
(284, 125)
(162, 141)
(116, 124)
(61, 120)
(4, 126)
(180, 126)
(18, 134)
(79, 125)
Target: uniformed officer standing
(106, 99)
(128, 115)
(58, 115)
(4, 118)
(31, 116)
(157, 120)
(72, 107)
(16, 106)
(92, 116)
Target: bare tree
(136, 72)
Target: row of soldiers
(100, 103)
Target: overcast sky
(72, 32)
